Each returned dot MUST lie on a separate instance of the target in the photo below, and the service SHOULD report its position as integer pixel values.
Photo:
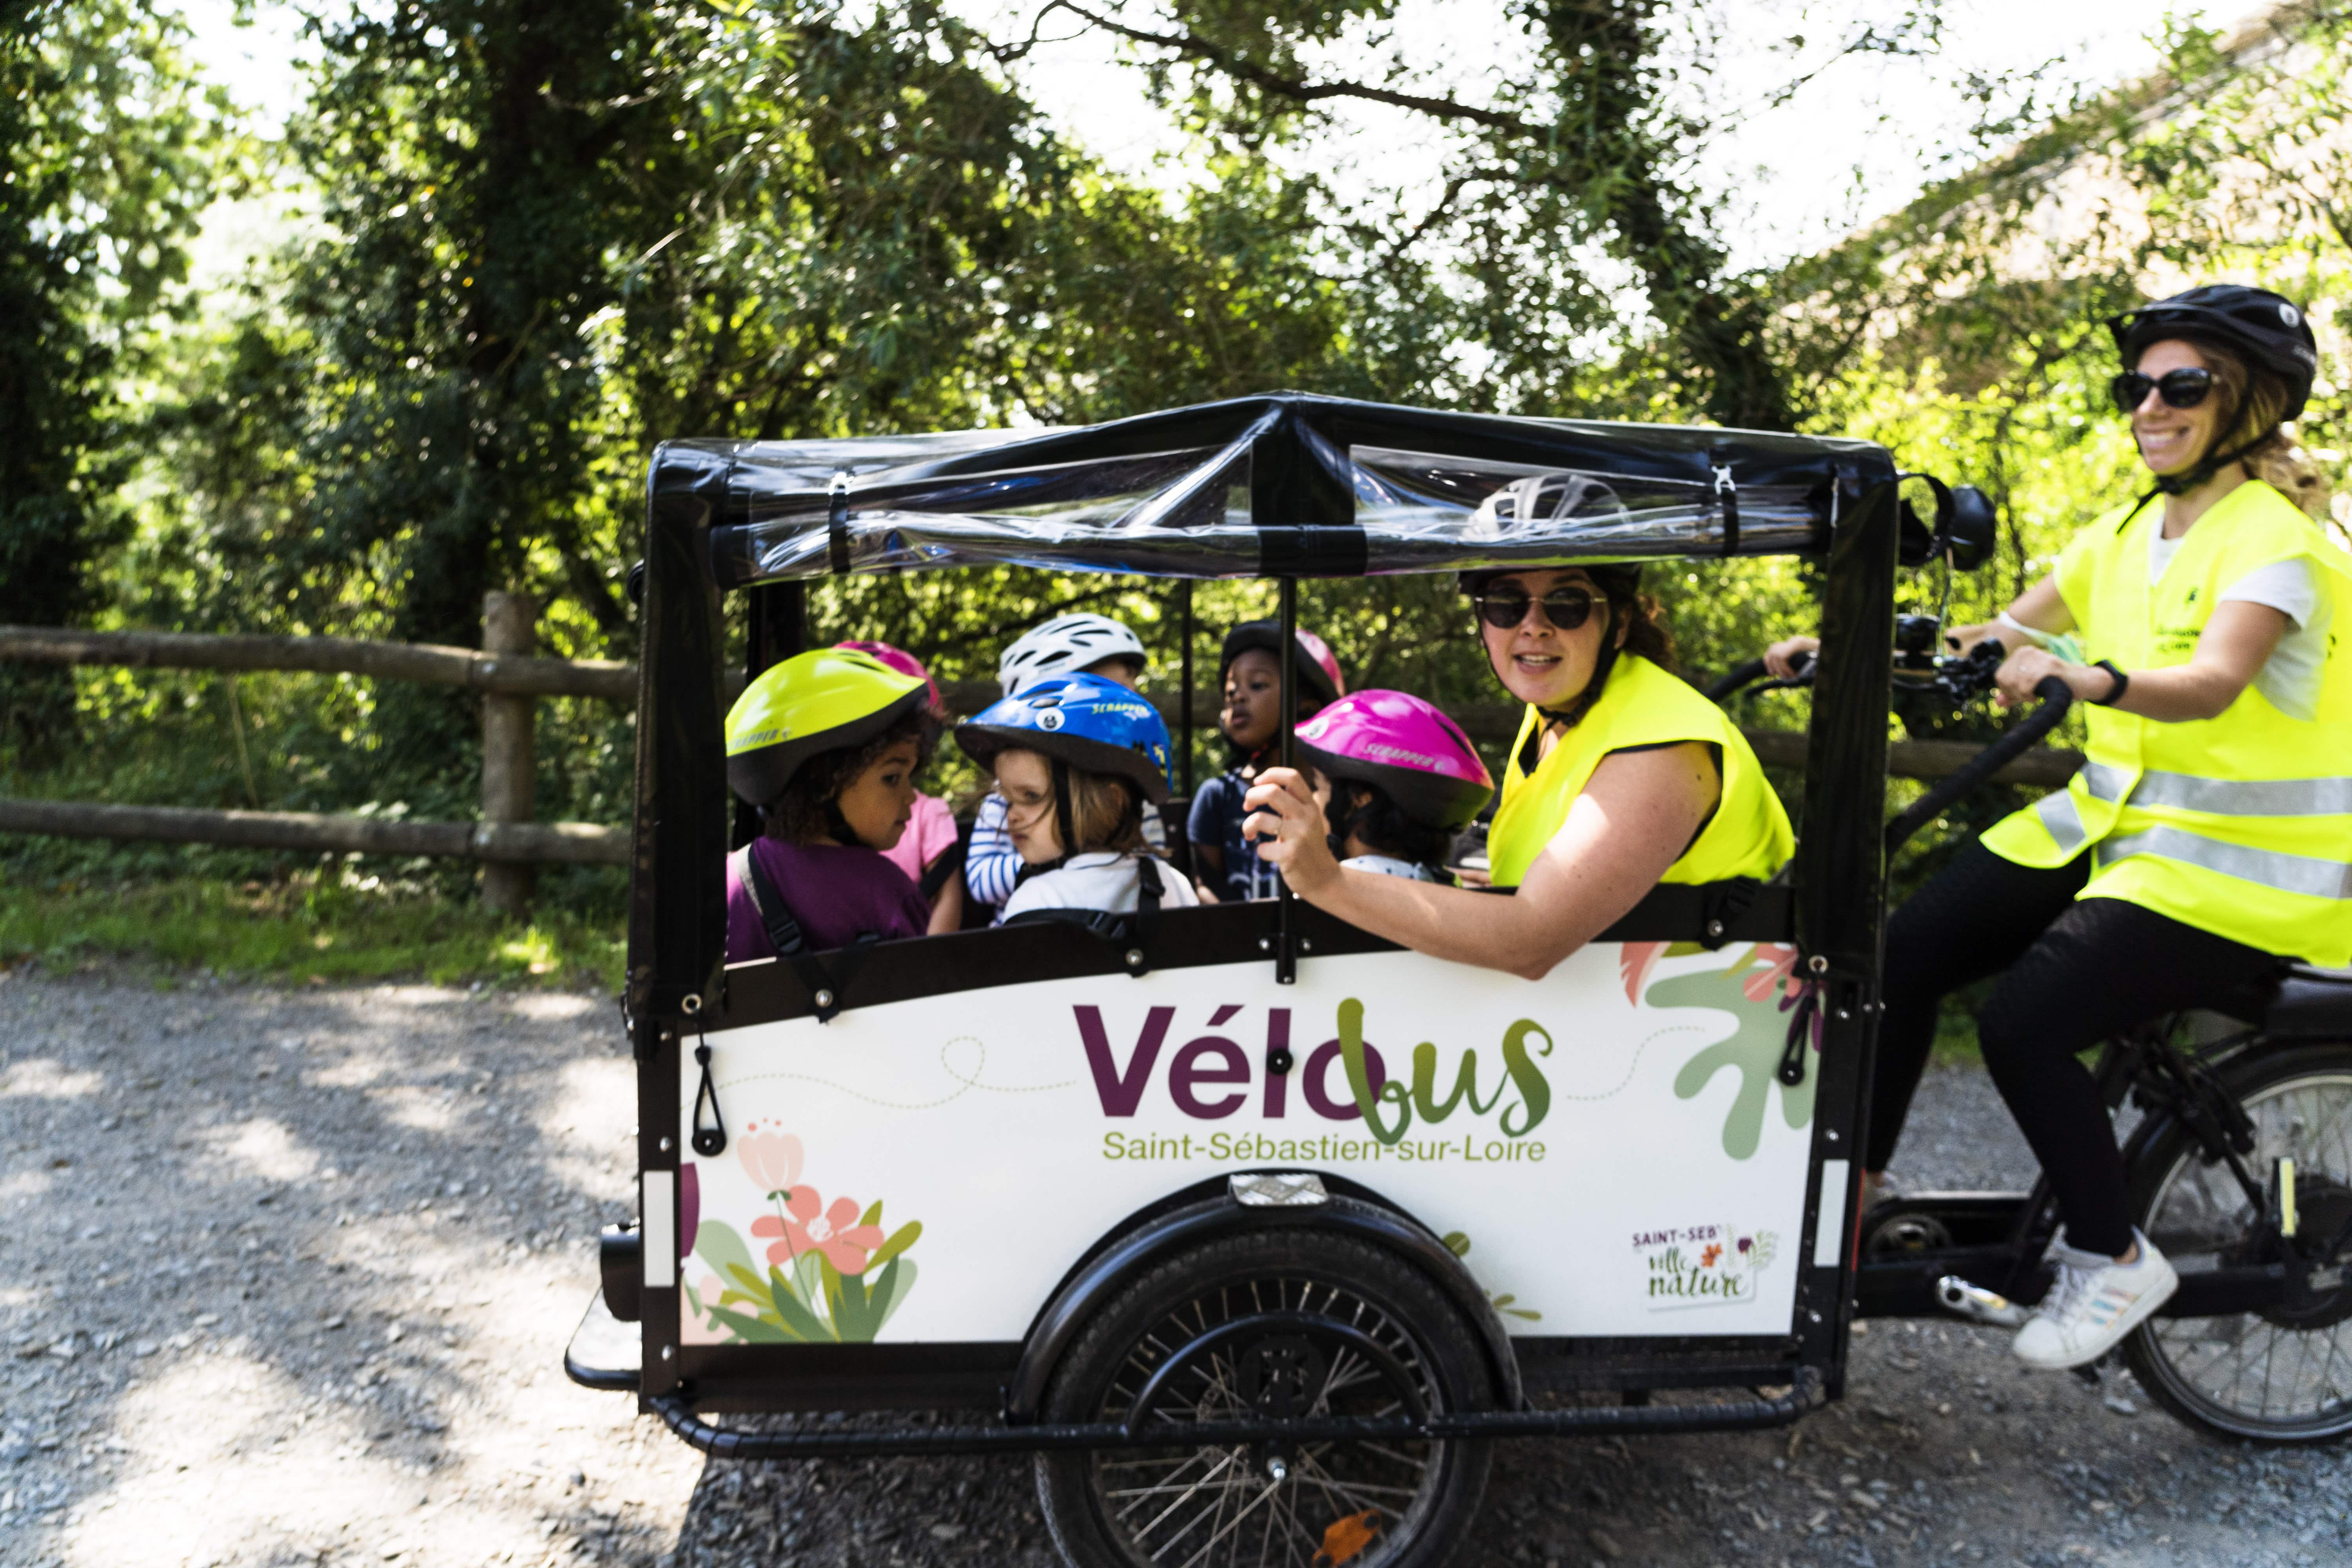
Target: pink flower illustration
(772, 1158)
(814, 1228)
(1779, 971)
(1634, 962)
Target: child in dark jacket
(1225, 864)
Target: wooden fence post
(509, 627)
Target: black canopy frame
(1286, 485)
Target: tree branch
(1293, 88)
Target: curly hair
(1645, 633)
(805, 811)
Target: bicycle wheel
(2283, 1376)
(1397, 1343)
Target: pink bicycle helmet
(902, 661)
(1397, 741)
(1318, 665)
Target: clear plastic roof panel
(1285, 484)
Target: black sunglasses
(1567, 607)
(2183, 388)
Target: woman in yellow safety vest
(2210, 830)
(1622, 777)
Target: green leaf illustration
(844, 1301)
(808, 1278)
(1457, 1244)
(797, 1318)
(873, 1215)
(755, 1330)
(891, 1291)
(719, 1245)
(1753, 1052)
(909, 1234)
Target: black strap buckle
(1804, 1028)
(836, 525)
(710, 1140)
(1726, 496)
(1721, 905)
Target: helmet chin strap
(1063, 817)
(1062, 822)
(837, 828)
(1573, 715)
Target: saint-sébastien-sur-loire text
(1214, 1075)
(1259, 1148)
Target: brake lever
(1970, 676)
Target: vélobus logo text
(1342, 1078)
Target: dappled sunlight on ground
(299, 1269)
(46, 1080)
(554, 1007)
(269, 1148)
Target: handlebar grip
(2056, 697)
(1749, 673)
(1732, 680)
(2054, 692)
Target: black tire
(2269, 1377)
(1223, 1506)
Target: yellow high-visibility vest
(1749, 835)
(2240, 824)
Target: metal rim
(1306, 1505)
(2244, 1373)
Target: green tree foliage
(547, 237)
(1573, 225)
(106, 154)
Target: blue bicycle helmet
(1082, 721)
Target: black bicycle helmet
(1317, 666)
(2269, 328)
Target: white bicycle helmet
(1065, 645)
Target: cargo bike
(1257, 1230)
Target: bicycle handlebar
(2056, 697)
(1747, 674)
(1734, 678)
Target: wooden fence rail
(515, 843)
(511, 675)
(509, 843)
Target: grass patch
(311, 929)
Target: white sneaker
(2095, 1302)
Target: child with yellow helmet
(827, 745)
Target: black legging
(2077, 973)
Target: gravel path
(285, 1277)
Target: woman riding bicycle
(2212, 828)
(1623, 776)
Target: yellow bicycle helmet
(814, 702)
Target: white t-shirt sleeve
(2291, 678)
(2291, 587)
